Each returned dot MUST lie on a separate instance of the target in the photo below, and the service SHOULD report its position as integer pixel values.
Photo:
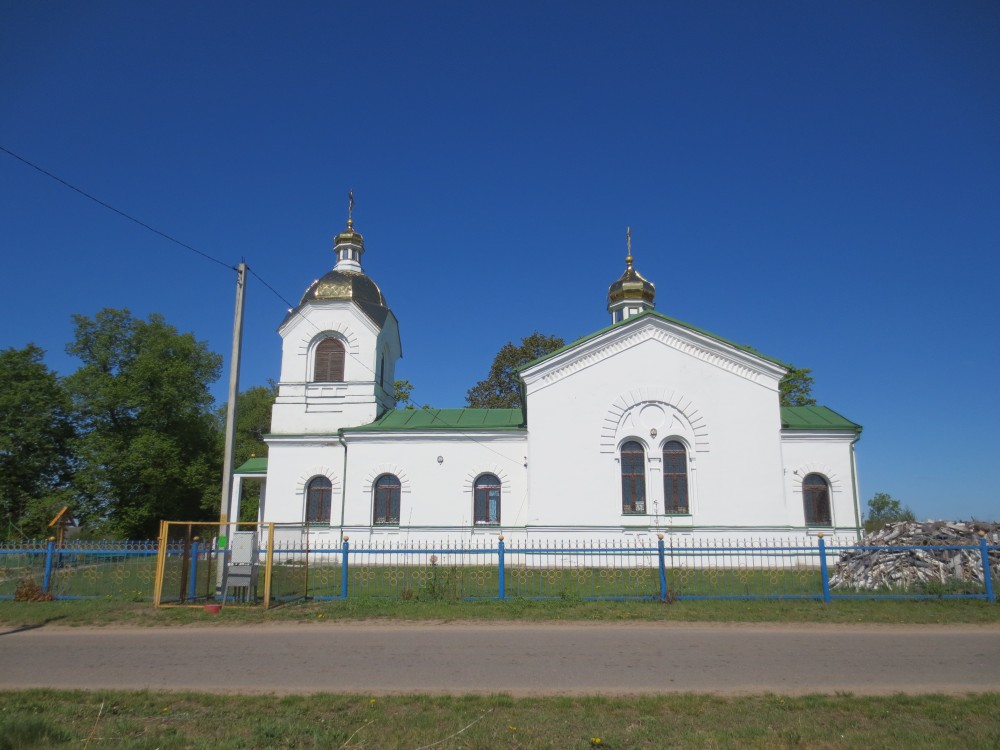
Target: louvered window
(675, 480)
(633, 478)
(816, 498)
(329, 365)
(387, 489)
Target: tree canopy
(35, 435)
(795, 389)
(146, 446)
(502, 389)
(883, 508)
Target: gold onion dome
(631, 285)
(347, 282)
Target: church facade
(647, 426)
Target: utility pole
(234, 387)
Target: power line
(434, 417)
(176, 241)
(121, 213)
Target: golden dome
(352, 286)
(631, 285)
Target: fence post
(663, 567)
(824, 573)
(193, 584)
(49, 554)
(988, 574)
(501, 579)
(343, 567)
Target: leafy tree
(401, 391)
(35, 435)
(883, 508)
(253, 421)
(795, 389)
(502, 388)
(146, 444)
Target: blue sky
(819, 180)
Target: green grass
(148, 720)
(112, 612)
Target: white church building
(647, 426)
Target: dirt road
(515, 658)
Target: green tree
(401, 391)
(502, 387)
(253, 422)
(146, 443)
(795, 389)
(883, 508)
(35, 435)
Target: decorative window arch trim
(823, 470)
(676, 402)
(317, 471)
(494, 469)
(308, 342)
(386, 468)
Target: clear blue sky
(818, 180)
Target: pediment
(671, 334)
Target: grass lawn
(48, 718)
(113, 612)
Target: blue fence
(665, 569)
(122, 570)
(671, 568)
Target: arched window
(633, 478)
(816, 499)
(319, 494)
(487, 500)
(387, 489)
(675, 478)
(329, 365)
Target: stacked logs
(872, 569)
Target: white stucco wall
(723, 407)
(828, 454)
(304, 407)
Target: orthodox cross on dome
(631, 294)
(349, 245)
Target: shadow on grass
(33, 626)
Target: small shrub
(29, 591)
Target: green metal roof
(253, 466)
(654, 314)
(445, 419)
(815, 418)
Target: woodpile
(871, 569)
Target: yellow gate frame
(161, 557)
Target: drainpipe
(854, 484)
(343, 480)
